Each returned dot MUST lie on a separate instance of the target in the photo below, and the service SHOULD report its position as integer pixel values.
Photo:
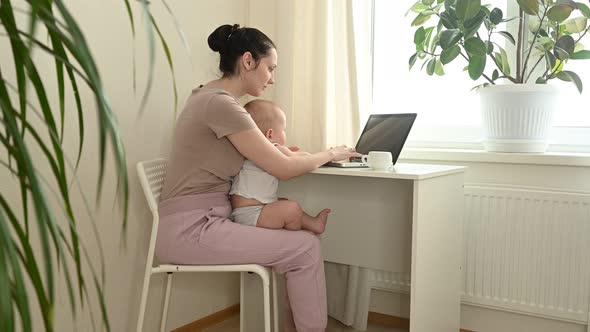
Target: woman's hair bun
(232, 41)
(219, 39)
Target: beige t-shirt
(203, 160)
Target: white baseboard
(489, 320)
(475, 318)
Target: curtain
(318, 77)
(349, 291)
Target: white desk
(405, 220)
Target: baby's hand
(292, 151)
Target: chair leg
(275, 305)
(143, 301)
(242, 282)
(166, 302)
(266, 293)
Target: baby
(254, 191)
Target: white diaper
(247, 215)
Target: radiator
(525, 250)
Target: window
(448, 111)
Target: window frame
(562, 138)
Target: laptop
(382, 132)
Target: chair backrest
(151, 176)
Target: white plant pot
(517, 117)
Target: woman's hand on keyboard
(343, 152)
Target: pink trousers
(195, 229)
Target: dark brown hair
(232, 42)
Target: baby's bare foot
(319, 226)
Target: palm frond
(58, 239)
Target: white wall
(107, 28)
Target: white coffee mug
(378, 160)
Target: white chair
(151, 176)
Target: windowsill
(480, 156)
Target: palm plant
(23, 260)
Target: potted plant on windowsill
(517, 116)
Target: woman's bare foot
(318, 226)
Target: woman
(213, 135)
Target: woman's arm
(254, 146)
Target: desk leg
(435, 299)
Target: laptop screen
(386, 132)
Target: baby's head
(269, 118)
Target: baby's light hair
(264, 112)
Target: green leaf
(467, 9)
(439, 27)
(583, 9)
(566, 43)
(472, 25)
(495, 75)
(559, 13)
(570, 76)
(570, 3)
(530, 7)
(10, 246)
(550, 60)
(419, 37)
(498, 61)
(544, 43)
(418, 7)
(477, 65)
(506, 20)
(449, 38)
(448, 20)
(580, 55)
(412, 60)
(489, 47)
(496, 16)
(422, 18)
(475, 47)
(438, 68)
(179, 29)
(575, 25)
(501, 59)
(560, 53)
(169, 60)
(534, 24)
(541, 80)
(448, 55)
(508, 36)
(18, 150)
(449, 4)
(428, 32)
(6, 307)
(62, 59)
(431, 66)
(62, 182)
(428, 2)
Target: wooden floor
(233, 325)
